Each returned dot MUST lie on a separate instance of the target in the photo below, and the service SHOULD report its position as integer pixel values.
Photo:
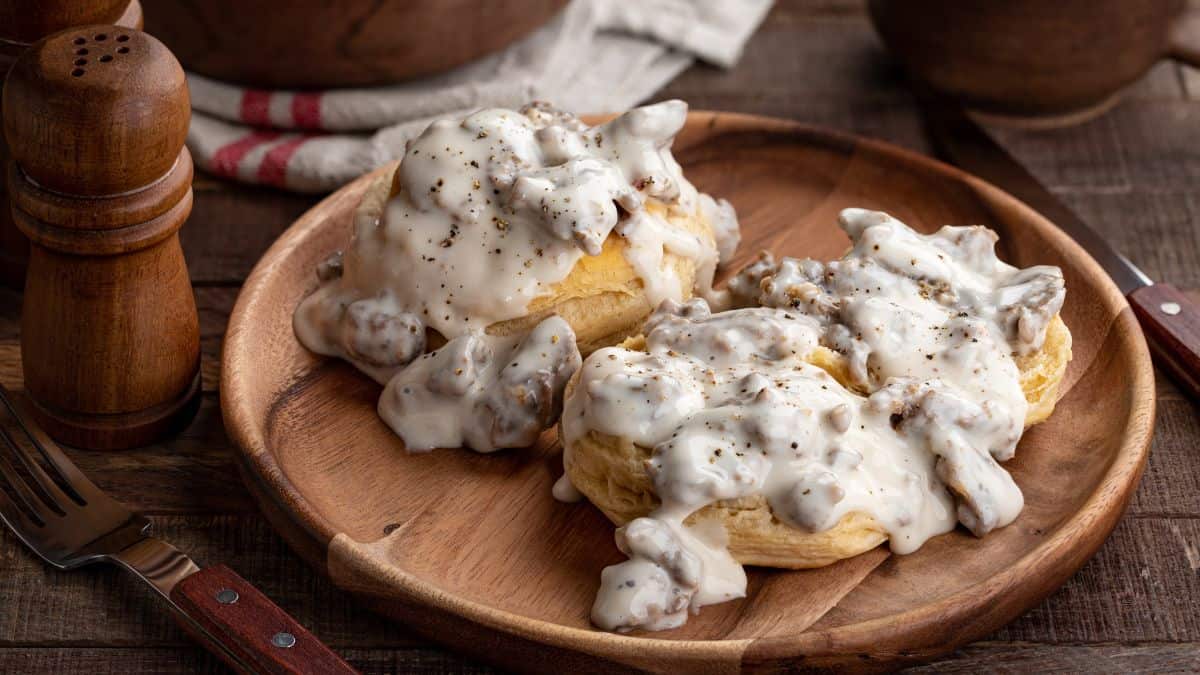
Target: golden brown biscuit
(603, 299)
(611, 473)
(1043, 370)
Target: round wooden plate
(473, 551)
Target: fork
(69, 522)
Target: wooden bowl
(473, 551)
(1028, 58)
(350, 43)
(27, 22)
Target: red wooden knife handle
(249, 627)
(1171, 322)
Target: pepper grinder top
(96, 110)
(100, 182)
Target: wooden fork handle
(1171, 322)
(255, 632)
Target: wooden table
(1136, 606)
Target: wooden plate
(473, 551)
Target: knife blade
(1170, 319)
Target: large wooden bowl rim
(956, 619)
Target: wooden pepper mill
(23, 22)
(100, 183)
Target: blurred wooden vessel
(348, 43)
(1057, 62)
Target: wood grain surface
(1132, 173)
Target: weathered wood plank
(993, 657)
(1083, 157)
(129, 661)
(193, 473)
(381, 661)
(230, 227)
(826, 68)
(997, 658)
(1159, 143)
(839, 58)
(213, 303)
(105, 606)
(1158, 230)
(157, 660)
(989, 657)
(1171, 484)
(1143, 585)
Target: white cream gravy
(492, 211)
(481, 391)
(495, 209)
(929, 323)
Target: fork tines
(30, 464)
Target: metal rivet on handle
(283, 640)
(1171, 308)
(227, 596)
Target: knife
(1169, 319)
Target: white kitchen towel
(595, 56)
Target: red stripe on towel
(306, 110)
(256, 107)
(226, 159)
(273, 169)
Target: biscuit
(603, 298)
(610, 472)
